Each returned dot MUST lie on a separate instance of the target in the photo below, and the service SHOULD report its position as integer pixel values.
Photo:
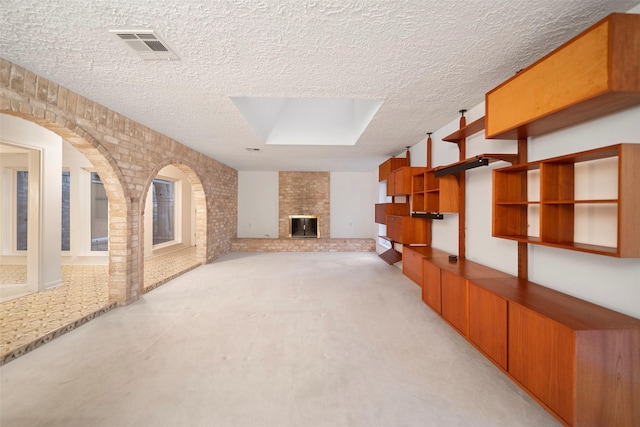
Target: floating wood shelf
(465, 132)
(474, 162)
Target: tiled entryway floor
(31, 320)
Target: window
(22, 209)
(99, 215)
(163, 211)
(66, 211)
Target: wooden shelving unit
(431, 194)
(559, 209)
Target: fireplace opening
(301, 226)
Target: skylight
(308, 121)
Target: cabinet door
(454, 301)
(541, 358)
(431, 286)
(412, 265)
(488, 323)
(391, 184)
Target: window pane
(22, 213)
(163, 208)
(66, 209)
(99, 215)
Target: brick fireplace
(304, 193)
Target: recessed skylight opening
(145, 44)
(308, 121)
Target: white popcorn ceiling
(426, 58)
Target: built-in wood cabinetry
(579, 360)
(384, 209)
(590, 190)
(407, 230)
(399, 181)
(390, 165)
(431, 194)
(488, 323)
(593, 74)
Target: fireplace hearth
(303, 226)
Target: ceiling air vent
(146, 44)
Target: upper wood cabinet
(399, 181)
(390, 165)
(587, 201)
(384, 209)
(595, 73)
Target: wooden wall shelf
(593, 74)
(465, 132)
(558, 204)
(577, 359)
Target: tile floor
(28, 321)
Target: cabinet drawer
(412, 265)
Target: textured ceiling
(425, 58)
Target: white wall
(352, 199)
(45, 196)
(258, 204)
(352, 196)
(607, 281)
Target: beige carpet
(267, 339)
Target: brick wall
(303, 245)
(127, 156)
(304, 193)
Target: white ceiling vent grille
(146, 44)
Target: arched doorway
(101, 166)
(174, 224)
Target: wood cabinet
(431, 194)
(586, 201)
(455, 301)
(407, 230)
(432, 286)
(412, 264)
(488, 323)
(399, 181)
(578, 360)
(541, 357)
(595, 73)
(384, 209)
(389, 166)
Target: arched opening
(47, 163)
(174, 224)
